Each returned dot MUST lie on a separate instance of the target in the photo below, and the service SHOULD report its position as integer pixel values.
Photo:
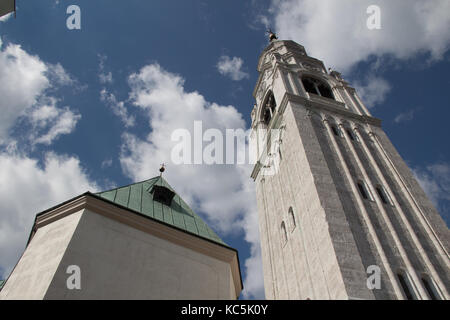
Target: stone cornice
(331, 106)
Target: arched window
(351, 135)
(309, 85)
(364, 191)
(336, 131)
(316, 86)
(293, 223)
(406, 285)
(268, 108)
(383, 195)
(325, 91)
(283, 233)
(430, 287)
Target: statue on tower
(162, 169)
(272, 36)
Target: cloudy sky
(94, 108)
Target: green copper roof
(2, 282)
(137, 197)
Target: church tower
(341, 216)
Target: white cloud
(24, 84)
(58, 75)
(22, 81)
(6, 17)
(336, 31)
(103, 76)
(62, 121)
(118, 107)
(106, 163)
(43, 114)
(405, 116)
(231, 67)
(259, 21)
(48, 121)
(373, 91)
(435, 180)
(27, 189)
(225, 193)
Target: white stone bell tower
(341, 215)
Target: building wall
(36, 268)
(120, 262)
(116, 262)
(320, 250)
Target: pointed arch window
(351, 135)
(268, 108)
(292, 221)
(318, 87)
(406, 285)
(283, 234)
(364, 190)
(383, 195)
(336, 131)
(431, 288)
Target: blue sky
(93, 108)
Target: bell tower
(341, 216)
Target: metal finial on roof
(272, 36)
(162, 169)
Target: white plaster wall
(120, 262)
(32, 276)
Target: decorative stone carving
(275, 74)
(308, 112)
(312, 113)
(335, 74)
(328, 119)
(276, 57)
(311, 67)
(261, 90)
(268, 73)
(253, 114)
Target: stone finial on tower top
(272, 36)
